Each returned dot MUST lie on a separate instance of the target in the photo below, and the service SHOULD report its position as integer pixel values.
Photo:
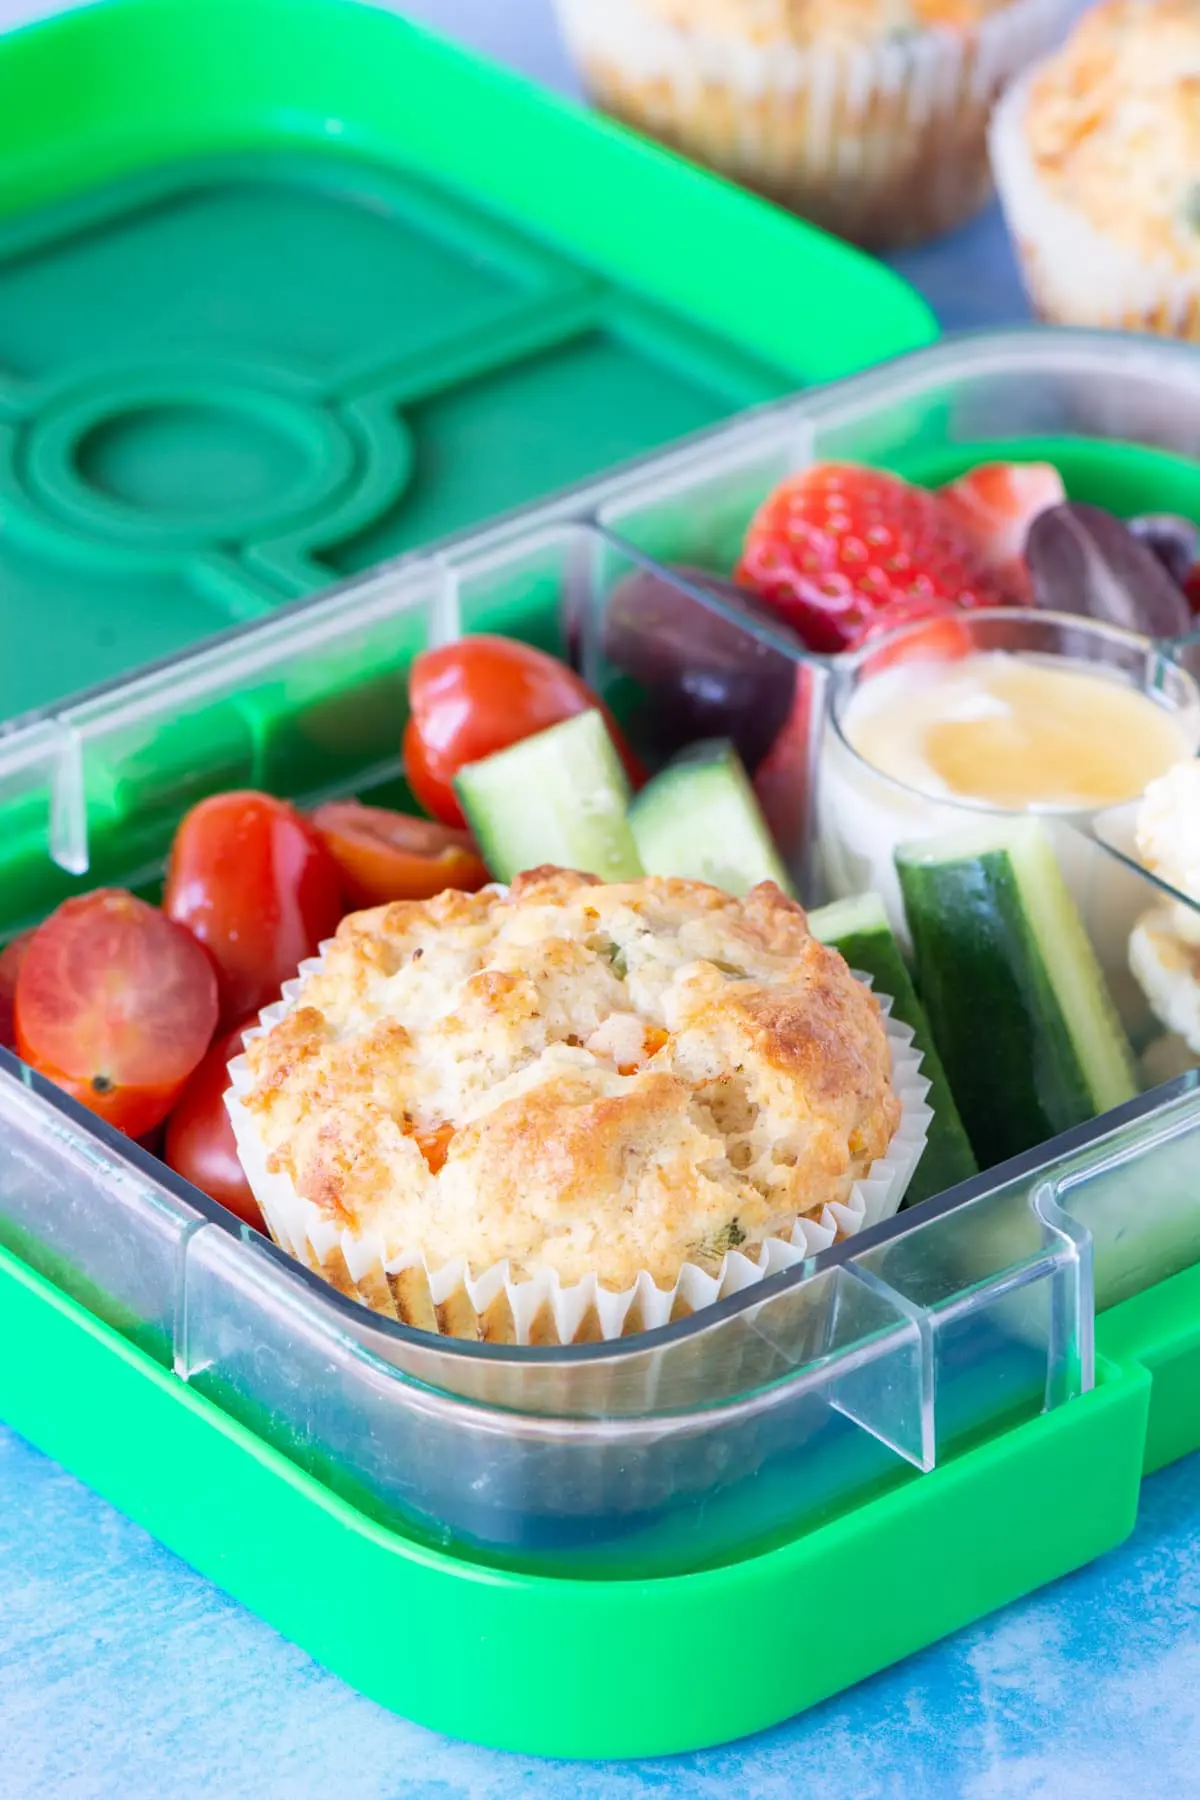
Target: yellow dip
(1014, 731)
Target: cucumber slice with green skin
(559, 797)
(700, 819)
(1012, 987)
(858, 927)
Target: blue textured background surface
(122, 1674)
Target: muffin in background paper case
(868, 117)
(1096, 154)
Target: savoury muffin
(567, 1081)
(1164, 947)
(867, 116)
(1167, 968)
(1167, 836)
(1097, 157)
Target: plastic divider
(894, 1405)
(782, 1406)
(38, 789)
(1138, 1198)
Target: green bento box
(874, 1448)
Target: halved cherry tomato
(250, 877)
(200, 1144)
(11, 958)
(386, 855)
(116, 1004)
(474, 697)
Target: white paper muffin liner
(540, 1308)
(884, 143)
(1074, 273)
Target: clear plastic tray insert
(762, 1416)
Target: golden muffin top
(575, 1076)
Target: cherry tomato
(153, 1140)
(200, 1144)
(116, 1004)
(386, 855)
(250, 877)
(11, 958)
(474, 697)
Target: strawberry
(932, 631)
(836, 544)
(996, 504)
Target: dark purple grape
(702, 675)
(1083, 560)
(1175, 542)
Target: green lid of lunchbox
(288, 287)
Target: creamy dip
(925, 747)
(1014, 732)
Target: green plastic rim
(611, 1668)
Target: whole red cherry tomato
(477, 696)
(250, 877)
(200, 1144)
(386, 855)
(11, 958)
(117, 1005)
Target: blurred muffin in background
(867, 116)
(1096, 153)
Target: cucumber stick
(559, 797)
(858, 927)
(700, 819)
(1012, 987)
